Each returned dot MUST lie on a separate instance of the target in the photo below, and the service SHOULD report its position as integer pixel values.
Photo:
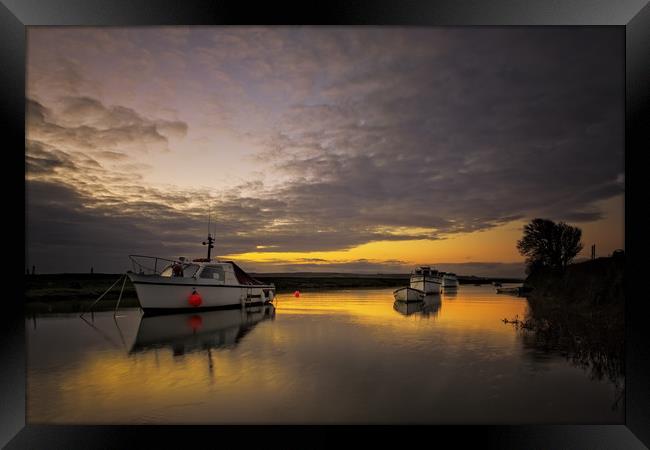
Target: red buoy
(296, 294)
(195, 322)
(195, 299)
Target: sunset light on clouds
(354, 149)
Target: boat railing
(151, 265)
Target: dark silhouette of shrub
(549, 244)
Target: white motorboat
(449, 281)
(408, 294)
(426, 279)
(200, 284)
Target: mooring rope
(105, 292)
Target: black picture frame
(633, 15)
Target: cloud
(356, 134)
(85, 124)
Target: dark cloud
(85, 124)
(505, 124)
(43, 159)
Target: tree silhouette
(549, 244)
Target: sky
(343, 149)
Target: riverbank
(63, 293)
(596, 282)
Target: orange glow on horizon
(498, 244)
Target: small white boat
(426, 279)
(408, 294)
(449, 281)
(196, 285)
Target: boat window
(189, 270)
(213, 272)
(167, 271)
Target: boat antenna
(210, 239)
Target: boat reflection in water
(450, 292)
(185, 333)
(429, 306)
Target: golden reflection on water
(323, 357)
(482, 310)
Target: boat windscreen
(189, 270)
(243, 277)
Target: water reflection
(185, 333)
(451, 292)
(591, 341)
(309, 364)
(428, 307)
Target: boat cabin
(425, 270)
(221, 272)
(209, 270)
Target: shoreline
(80, 287)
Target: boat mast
(210, 239)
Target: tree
(549, 244)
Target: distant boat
(449, 281)
(196, 285)
(520, 290)
(426, 279)
(408, 294)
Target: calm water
(331, 357)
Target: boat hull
(165, 294)
(427, 284)
(408, 294)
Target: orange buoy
(195, 299)
(296, 294)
